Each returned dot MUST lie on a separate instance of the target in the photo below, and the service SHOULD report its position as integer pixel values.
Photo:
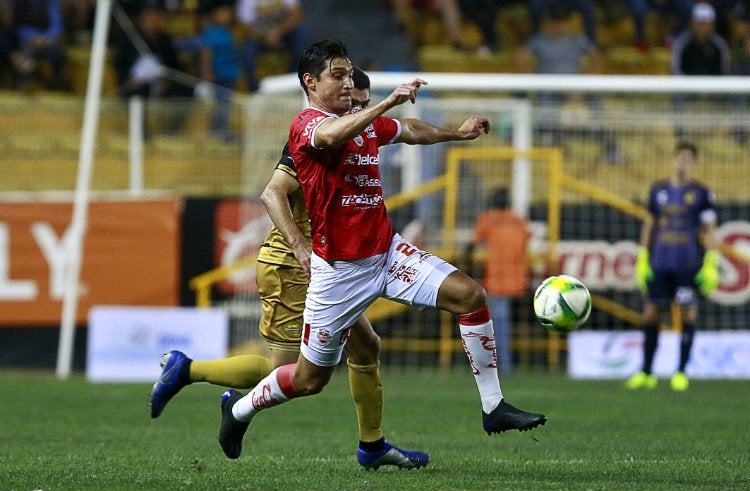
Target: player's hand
(406, 92)
(708, 276)
(643, 271)
(474, 126)
(303, 253)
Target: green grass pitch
(74, 435)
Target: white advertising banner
(619, 354)
(126, 344)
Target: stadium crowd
(38, 37)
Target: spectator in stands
(409, 12)
(78, 19)
(10, 56)
(270, 25)
(560, 50)
(39, 27)
(730, 13)
(220, 65)
(141, 57)
(146, 64)
(484, 13)
(679, 9)
(698, 50)
(505, 235)
(538, 8)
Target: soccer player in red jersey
(357, 257)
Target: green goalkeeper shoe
(679, 382)
(641, 380)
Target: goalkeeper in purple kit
(677, 260)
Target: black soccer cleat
(231, 431)
(506, 417)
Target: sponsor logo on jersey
(359, 141)
(357, 159)
(362, 200)
(362, 180)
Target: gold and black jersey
(275, 248)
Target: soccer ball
(562, 303)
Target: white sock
(277, 388)
(478, 338)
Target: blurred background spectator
(409, 14)
(560, 50)
(674, 12)
(78, 20)
(10, 57)
(140, 58)
(484, 13)
(39, 26)
(698, 50)
(146, 64)
(585, 8)
(220, 65)
(505, 235)
(270, 25)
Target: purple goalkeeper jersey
(677, 212)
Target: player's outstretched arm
(337, 131)
(415, 131)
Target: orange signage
(131, 257)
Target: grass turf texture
(74, 435)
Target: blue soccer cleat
(506, 417)
(169, 383)
(391, 455)
(231, 431)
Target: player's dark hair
(360, 79)
(687, 146)
(318, 56)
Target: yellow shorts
(282, 295)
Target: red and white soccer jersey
(342, 187)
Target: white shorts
(340, 291)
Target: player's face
(333, 92)
(683, 162)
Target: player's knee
(473, 297)
(461, 294)
(371, 351)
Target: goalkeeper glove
(708, 276)
(643, 271)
